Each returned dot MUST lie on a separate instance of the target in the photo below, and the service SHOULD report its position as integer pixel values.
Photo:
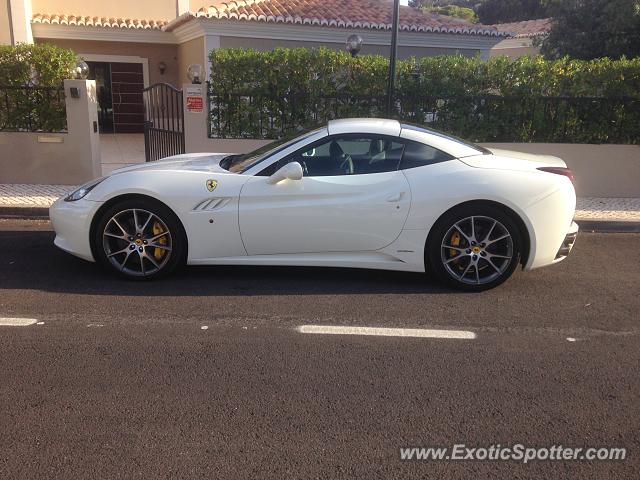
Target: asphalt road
(122, 381)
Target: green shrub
(266, 94)
(31, 77)
(40, 64)
(464, 13)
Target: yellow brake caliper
(455, 242)
(158, 253)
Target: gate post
(82, 123)
(196, 110)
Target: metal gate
(163, 121)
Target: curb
(34, 213)
(596, 226)
(608, 226)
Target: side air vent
(210, 204)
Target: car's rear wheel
(139, 239)
(474, 248)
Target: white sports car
(365, 193)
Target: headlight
(82, 191)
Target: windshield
(242, 163)
(419, 128)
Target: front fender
(212, 231)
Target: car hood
(199, 162)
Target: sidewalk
(34, 200)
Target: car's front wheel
(139, 239)
(474, 248)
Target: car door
(351, 198)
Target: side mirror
(291, 171)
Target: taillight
(559, 171)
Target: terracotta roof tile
(369, 14)
(365, 14)
(528, 28)
(88, 21)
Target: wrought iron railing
(478, 118)
(32, 109)
(164, 133)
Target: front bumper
(72, 224)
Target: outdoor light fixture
(162, 67)
(81, 70)
(354, 44)
(194, 72)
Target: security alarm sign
(195, 104)
(195, 100)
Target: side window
(348, 155)
(418, 155)
(318, 151)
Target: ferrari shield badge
(211, 184)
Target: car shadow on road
(29, 260)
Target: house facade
(524, 38)
(132, 44)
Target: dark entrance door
(119, 88)
(164, 122)
(127, 84)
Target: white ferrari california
(364, 193)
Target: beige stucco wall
(264, 44)
(191, 52)
(5, 23)
(600, 170)
(15, 21)
(56, 158)
(195, 5)
(138, 9)
(154, 52)
(515, 48)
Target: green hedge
(266, 94)
(31, 79)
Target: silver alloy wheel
(476, 250)
(137, 242)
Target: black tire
(476, 262)
(153, 253)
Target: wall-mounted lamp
(354, 44)
(194, 73)
(162, 67)
(82, 70)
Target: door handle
(396, 197)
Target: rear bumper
(567, 244)
(550, 221)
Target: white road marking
(17, 322)
(388, 332)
